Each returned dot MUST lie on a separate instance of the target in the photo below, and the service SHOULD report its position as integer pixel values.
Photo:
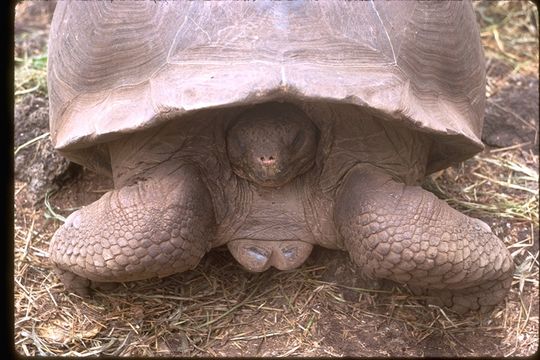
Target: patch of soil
(339, 269)
(32, 19)
(512, 114)
(368, 336)
(496, 69)
(37, 163)
(34, 15)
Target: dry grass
(509, 31)
(219, 309)
(505, 186)
(31, 57)
(31, 75)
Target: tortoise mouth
(274, 175)
(260, 255)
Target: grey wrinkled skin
(271, 181)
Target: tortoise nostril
(267, 160)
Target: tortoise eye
(298, 141)
(235, 144)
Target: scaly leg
(406, 234)
(156, 227)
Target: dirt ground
(324, 308)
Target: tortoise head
(271, 144)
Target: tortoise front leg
(156, 227)
(406, 234)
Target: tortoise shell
(120, 67)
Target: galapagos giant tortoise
(272, 127)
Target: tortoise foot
(136, 233)
(406, 234)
